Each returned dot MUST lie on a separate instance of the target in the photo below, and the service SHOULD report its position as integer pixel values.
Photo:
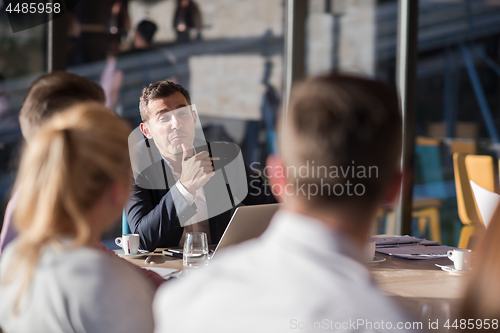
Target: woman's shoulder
(105, 285)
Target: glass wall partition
(227, 54)
(458, 80)
(359, 37)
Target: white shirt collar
(301, 233)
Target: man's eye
(164, 118)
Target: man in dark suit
(188, 184)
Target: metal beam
(57, 30)
(479, 92)
(406, 83)
(295, 26)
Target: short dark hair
(157, 90)
(52, 93)
(147, 30)
(342, 121)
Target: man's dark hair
(147, 30)
(157, 90)
(342, 122)
(52, 93)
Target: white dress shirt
(199, 222)
(298, 276)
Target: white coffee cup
(129, 243)
(369, 251)
(461, 258)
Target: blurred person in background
(74, 179)
(308, 266)
(144, 34)
(112, 76)
(92, 26)
(187, 16)
(481, 303)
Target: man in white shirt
(339, 150)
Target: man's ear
(145, 130)
(195, 118)
(393, 189)
(275, 173)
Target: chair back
(125, 227)
(465, 198)
(429, 167)
(480, 171)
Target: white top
(298, 276)
(76, 290)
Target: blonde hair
(74, 158)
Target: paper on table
(395, 241)
(418, 252)
(487, 202)
(161, 271)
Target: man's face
(171, 123)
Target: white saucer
(376, 260)
(139, 254)
(451, 269)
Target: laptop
(247, 222)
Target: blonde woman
(72, 184)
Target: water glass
(195, 252)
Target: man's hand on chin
(196, 169)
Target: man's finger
(205, 162)
(185, 154)
(202, 155)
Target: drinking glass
(195, 250)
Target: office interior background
(232, 57)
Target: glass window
(355, 37)
(228, 55)
(457, 106)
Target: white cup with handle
(369, 251)
(129, 243)
(461, 259)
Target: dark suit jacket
(151, 211)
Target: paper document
(417, 252)
(393, 241)
(487, 202)
(161, 271)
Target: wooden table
(416, 285)
(423, 289)
(158, 259)
(417, 279)
(396, 277)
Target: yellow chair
(482, 171)
(461, 146)
(426, 209)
